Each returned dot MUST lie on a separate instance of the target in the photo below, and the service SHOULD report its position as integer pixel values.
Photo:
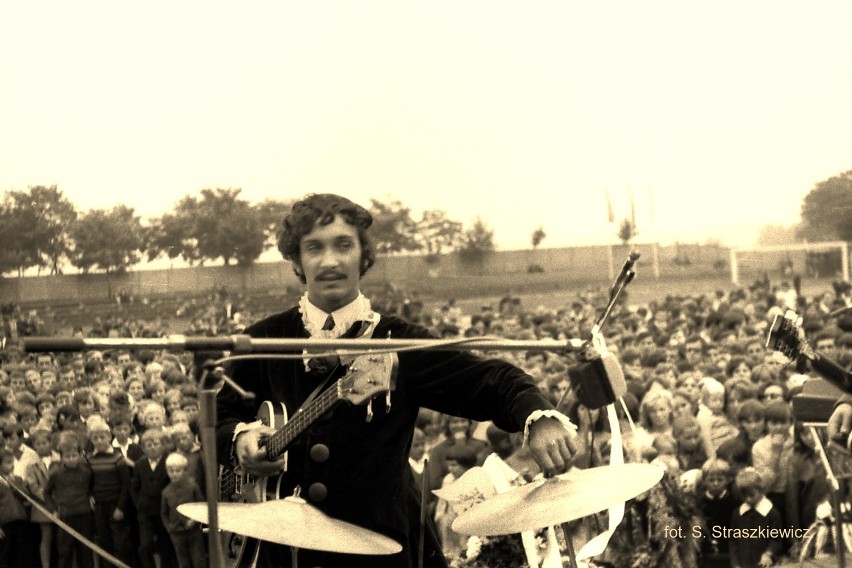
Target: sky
(717, 117)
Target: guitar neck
(278, 442)
(835, 374)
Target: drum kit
(541, 503)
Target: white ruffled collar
(313, 318)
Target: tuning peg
(370, 410)
(387, 402)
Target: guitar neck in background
(831, 371)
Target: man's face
(825, 347)
(44, 361)
(18, 383)
(33, 378)
(48, 380)
(692, 352)
(331, 261)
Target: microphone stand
(208, 386)
(624, 278)
(212, 379)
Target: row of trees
(40, 228)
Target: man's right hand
(252, 457)
(840, 423)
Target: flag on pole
(610, 213)
(632, 208)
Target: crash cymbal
(293, 522)
(572, 495)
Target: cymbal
(572, 495)
(293, 522)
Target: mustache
(329, 274)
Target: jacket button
(319, 453)
(317, 492)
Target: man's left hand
(552, 446)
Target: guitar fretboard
(277, 443)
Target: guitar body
(242, 551)
(368, 375)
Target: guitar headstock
(787, 336)
(368, 375)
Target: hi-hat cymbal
(293, 522)
(572, 495)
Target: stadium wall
(496, 272)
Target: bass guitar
(787, 336)
(368, 376)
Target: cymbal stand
(569, 546)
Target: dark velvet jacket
(367, 475)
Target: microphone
(627, 270)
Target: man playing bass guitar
(352, 468)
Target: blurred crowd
(85, 434)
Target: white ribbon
(598, 544)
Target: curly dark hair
(322, 208)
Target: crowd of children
(108, 441)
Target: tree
(272, 213)
(172, 235)
(435, 232)
(218, 225)
(393, 229)
(37, 226)
(626, 231)
(16, 252)
(537, 236)
(476, 241)
(827, 210)
(108, 240)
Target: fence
(494, 272)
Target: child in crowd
(691, 453)
(37, 475)
(110, 491)
(751, 543)
(715, 426)
(13, 435)
(717, 502)
(68, 493)
(185, 443)
(13, 516)
(185, 534)
(417, 455)
(752, 427)
(807, 484)
(459, 459)
(146, 489)
(773, 453)
(123, 439)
